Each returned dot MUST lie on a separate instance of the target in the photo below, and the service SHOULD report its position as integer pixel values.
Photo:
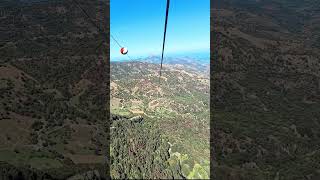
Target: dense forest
(139, 153)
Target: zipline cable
(115, 41)
(164, 36)
(90, 19)
(94, 24)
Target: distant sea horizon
(200, 56)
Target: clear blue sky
(139, 25)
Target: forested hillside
(266, 92)
(177, 107)
(53, 90)
(139, 153)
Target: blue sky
(139, 25)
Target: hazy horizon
(201, 56)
